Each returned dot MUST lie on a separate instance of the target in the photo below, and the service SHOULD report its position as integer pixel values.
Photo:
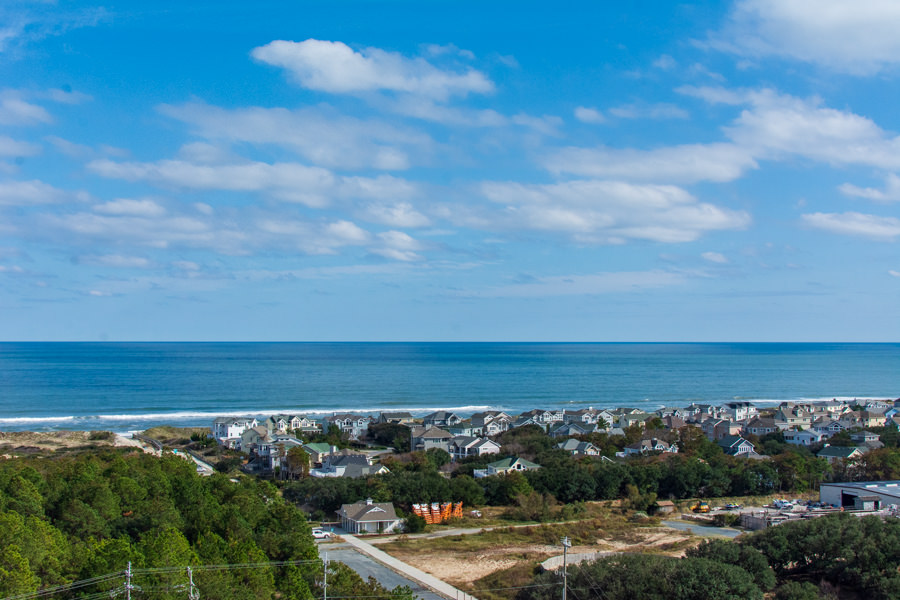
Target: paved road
(704, 530)
(366, 567)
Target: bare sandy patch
(466, 567)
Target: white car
(320, 534)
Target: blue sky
(362, 170)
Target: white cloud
(773, 126)
(24, 193)
(606, 212)
(315, 238)
(585, 285)
(589, 115)
(429, 110)
(143, 231)
(858, 224)
(291, 182)
(893, 273)
(11, 147)
(117, 261)
(185, 265)
(649, 111)
(665, 62)
(716, 94)
(127, 207)
(779, 124)
(335, 67)
(890, 193)
(396, 214)
(70, 148)
(397, 245)
(685, 164)
(23, 22)
(452, 49)
(68, 96)
(546, 124)
(14, 110)
(318, 134)
(715, 257)
(855, 37)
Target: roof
(396, 415)
(884, 488)
(729, 441)
(318, 447)
(435, 433)
(348, 459)
(439, 415)
(838, 451)
(507, 463)
(362, 512)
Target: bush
(726, 519)
(96, 436)
(797, 591)
(414, 524)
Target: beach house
(369, 517)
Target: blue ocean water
(128, 386)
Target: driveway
(366, 567)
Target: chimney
(368, 501)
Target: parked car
(732, 506)
(321, 534)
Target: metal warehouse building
(861, 495)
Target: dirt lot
(464, 560)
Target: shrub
(415, 524)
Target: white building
(851, 494)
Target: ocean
(133, 386)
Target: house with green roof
(836, 453)
(735, 445)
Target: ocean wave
(175, 416)
(22, 420)
(205, 417)
(804, 400)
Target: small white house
(369, 517)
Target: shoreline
(126, 424)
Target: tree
(502, 490)
(391, 434)
(794, 590)
(414, 524)
(15, 575)
(297, 462)
(648, 577)
(437, 457)
(731, 553)
(465, 489)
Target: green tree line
(75, 517)
(803, 560)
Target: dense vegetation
(800, 560)
(75, 517)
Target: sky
(450, 170)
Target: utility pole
(325, 586)
(566, 544)
(193, 594)
(128, 581)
